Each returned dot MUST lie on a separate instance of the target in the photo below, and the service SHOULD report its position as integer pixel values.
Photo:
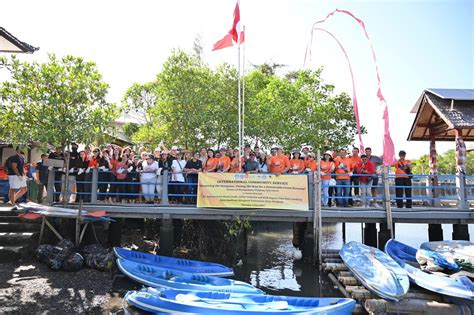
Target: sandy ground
(31, 287)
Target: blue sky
(419, 44)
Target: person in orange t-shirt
(403, 180)
(343, 174)
(211, 162)
(296, 164)
(355, 180)
(234, 163)
(327, 167)
(311, 165)
(223, 163)
(278, 163)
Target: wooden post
(386, 197)
(94, 185)
(50, 187)
(166, 235)
(164, 188)
(434, 192)
(317, 224)
(435, 231)
(460, 231)
(370, 234)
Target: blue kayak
(189, 302)
(193, 266)
(376, 270)
(461, 251)
(405, 256)
(155, 276)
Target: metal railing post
(164, 188)
(94, 185)
(50, 187)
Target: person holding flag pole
(235, 35)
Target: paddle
(276, 305)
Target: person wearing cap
(311, 165)
(177, 179)
(251, 165)
(57, 155)
(367, 169)
(279, 163)
(403, 180)
(327, 167)
(134, 179)
(297, 165)
(148, 178)
(104, 175)
(173, 153)
(343, 177)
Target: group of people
(128, 176)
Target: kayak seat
(200, 278)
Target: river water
(270, 266)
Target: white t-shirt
(177, 168)
(149, 170)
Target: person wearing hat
(148, 178)
(367, 169)
(403, 180)
(297, 165)
(223, 163)
(278, 163)
(327, 167)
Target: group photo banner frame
(266, 191)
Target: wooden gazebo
(446, 115)
(11, 44)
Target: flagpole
(243, 92)
(239, 110)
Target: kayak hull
(189, 302)
(376, 270)
(187, 265)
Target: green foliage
(196, 106)
(446, 163)
(56, 102)
(237, 226)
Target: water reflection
(269, 264)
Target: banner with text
(237, 190)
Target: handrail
(455, 189)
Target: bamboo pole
(415, 306)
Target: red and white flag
(236, 34)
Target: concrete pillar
(115, 232)
(384, 235)
(166, 237)
(460, 232)
(435, 232)
(370, 234)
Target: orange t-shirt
(278, 163)
(326, 167)
(311, 164)
(400, 169)
(343, 167)
(234, 165)
(224, 162)
(210, 164)
(296, 166)
(356, 160)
